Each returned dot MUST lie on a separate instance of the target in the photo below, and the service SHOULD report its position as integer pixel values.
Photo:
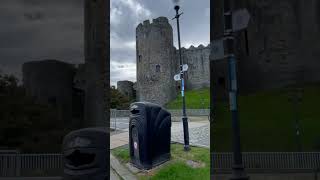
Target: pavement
(199, 135)
(114, 175)
(122, 123)
(119, 170)
(119, 139)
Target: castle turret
(155, 61)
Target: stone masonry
(158, 61)
(155, 61)
(279, 48)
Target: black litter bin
(149, 135)
(85, 154)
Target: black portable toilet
(85, 154)
(149, 135)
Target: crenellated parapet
(193, 48)
(147, 26)
(197, 59)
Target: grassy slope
(267, 122)
(177, 168)
(195, 99)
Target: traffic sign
(240, 19)
(185, 67)
(217, 49)
(177, 77)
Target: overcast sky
(125, 15)
(53, 29)
(40, 29)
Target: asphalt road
(119, 123)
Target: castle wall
(155, 59)
(283, 45)
(197, 75)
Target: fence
(30, 164)
(174, 112)
(273, 161)
(117, 116)
(51, 164)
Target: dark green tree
(24, 124)
(118, 101)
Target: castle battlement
(193, 48)
(160, 21)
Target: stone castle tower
(156, 63)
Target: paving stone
(132, 168)
(122, 171)
(198, 136)
(113, 175)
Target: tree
(24, 124)
(118, 101)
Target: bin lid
(96, 137)
(139, 105)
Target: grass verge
(268, 122)
(195, 99)
(177, 168)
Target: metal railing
(19, 164)
(115, 115)
(30, 164)
(174, 112)
(275, 161)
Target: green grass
(267, 122)
(195, 99)
(177, 168)
(122, 154)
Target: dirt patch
(195, 164)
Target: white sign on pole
(217, 49)
(185, 67)
(177, 77)
(240, 19)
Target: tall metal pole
(184, 114)
(238, 172)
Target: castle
(280, 47)
(78, 92)
(157, 62)
(59, 84)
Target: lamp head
(177, 7)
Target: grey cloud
(40, 29)
(194, 28)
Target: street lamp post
(238, 172)
(184, 114)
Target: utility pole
(238, 172)
(184, 114)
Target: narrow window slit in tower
(157, 68)
(139, 58)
